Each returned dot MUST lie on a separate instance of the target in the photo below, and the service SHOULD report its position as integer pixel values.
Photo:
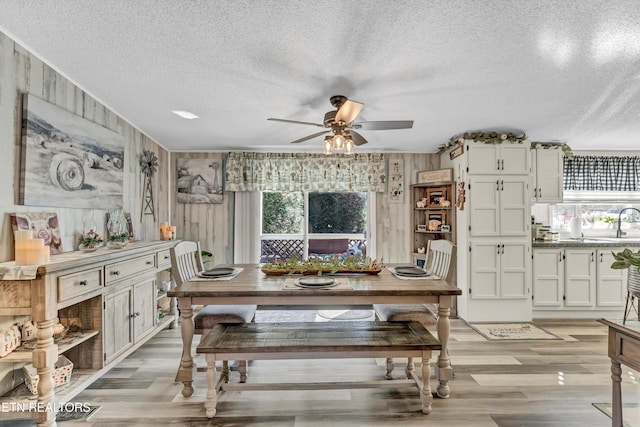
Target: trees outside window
(336, 223)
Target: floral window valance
(602, 173)
(305, 172)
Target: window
(596, 218)
(311, 224)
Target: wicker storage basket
(61, 374)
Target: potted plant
(629, 260)
(118, 241)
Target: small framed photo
(422, 227)
(435, 219)
(436, 196)
(445, 228)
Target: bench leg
(242, 370)
(211, 399)
(389, 368)
(425, 394)
(410, 368)
(224, 372)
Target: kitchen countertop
(605, 242)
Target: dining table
(252, 286)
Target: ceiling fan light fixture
(338, 143)
(327, 145)
(348, 145)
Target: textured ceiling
(565, 70)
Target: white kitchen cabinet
(564, 277)
(580, 277)
(548, 175)
(611, 285)
(579, 280)
(548, 277)
(500, 270)
(499, 206)
(502, 159)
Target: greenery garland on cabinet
(495, 137)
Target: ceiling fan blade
(310, 137)
(384, 125)
(348, 111)
(297, 122)
(357, 138)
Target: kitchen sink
(604, 240)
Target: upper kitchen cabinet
(499, 206)
(502, 159)
(547, 167)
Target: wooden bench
(323, 340)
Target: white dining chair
(438, 258)
(186, 262)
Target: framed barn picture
(200, 180)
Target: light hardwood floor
(497, 383)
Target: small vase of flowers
(90, 242)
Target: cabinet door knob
(115, 273)
(502, 164)
(498, 165)
(83, 283)
(149, 262)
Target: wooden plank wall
(211, 224)
(394, 238)
(21, 73)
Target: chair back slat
(186, 261)
(439, 254)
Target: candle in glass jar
(173, 232)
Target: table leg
(44, 359)
(185, 372)
(444, 370)
(616, 403)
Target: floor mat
(512, 331)
(77, 413)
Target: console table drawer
(72, 285)
(164, 259)
(122, 270)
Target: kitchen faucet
(619, 232)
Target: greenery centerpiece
(90, 241)
(319, 266)
(118, 241)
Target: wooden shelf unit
(109, 295)
(421, 215)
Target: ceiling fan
(341, 122)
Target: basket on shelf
(61, 374)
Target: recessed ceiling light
(185, 114)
